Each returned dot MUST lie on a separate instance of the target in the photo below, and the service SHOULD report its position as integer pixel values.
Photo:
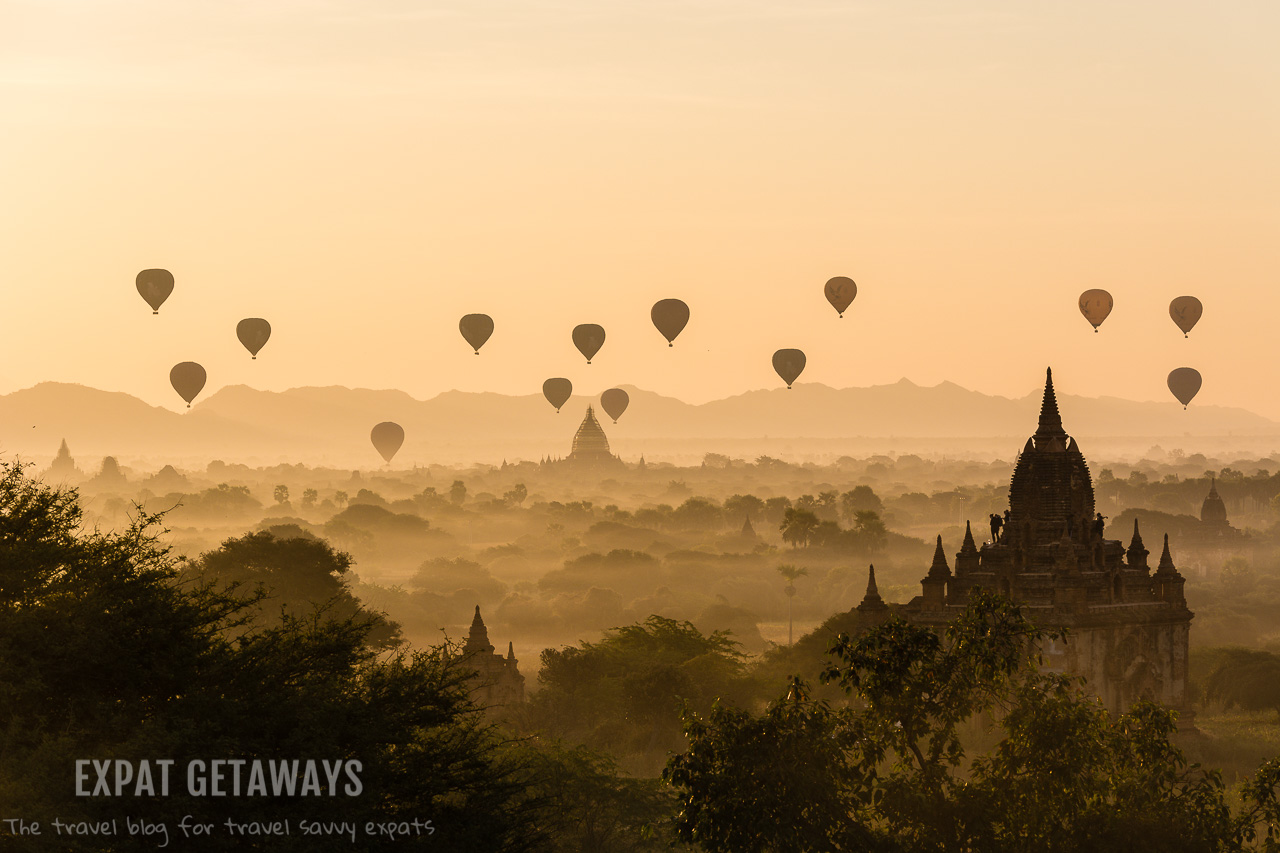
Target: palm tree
(790, 572)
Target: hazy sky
(363, 173)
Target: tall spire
(1137, 552)
(1166, 560)
(1168, 581)
(872, 600)
(1050, 421)
(968, 546)
(478, 639)
(1136, 543)
(939, 569)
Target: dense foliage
(104, 654)
(889, 770)
(623, 694)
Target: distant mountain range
(331, 425)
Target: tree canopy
(106, 654)
(889, 770)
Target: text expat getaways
(220, 777)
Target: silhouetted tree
(697, 514)
(737, 506)
(623, 694)
(106, 653)
(281, 494)
(797, 526)
(457, 492)
(517, 494)
(1248, 679)
(790, 572)
(302, 577)
(871, 531)
(775, 509)
(858, 499)
(889, 771)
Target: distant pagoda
(590, 447)
(1213, 512)
(63, 467)
(498, 681)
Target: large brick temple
(1127, 626)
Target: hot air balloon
(840, 292)
(557, 391)
(155, 287)
(387, 438)
(187, 379)
(670, 317)
(789, 363)
(614, 402)
(1095, 305)
(253, 333)
(476, 329)
(588, 338)
(1186, 311)
(1184, 383)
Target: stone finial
(478, 638)
(1137, 553)
(1050, 420)
(968, 546)
(511, 651)
(872, 600)
(939, 569)
(1168, 582)
(1166, 560)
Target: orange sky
(362, 174)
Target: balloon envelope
(1095, 305)
(387, 438)
(1184, 383)
(614, 402)
(789, 363)
(155, 287)
(588, 338)
(1186, 311)
(670, 317)
(840, 292)
(253, 333)
(557, 391)
(187, 379)
(476, 329)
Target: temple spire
(478, 638)
(968, 546)
(1166, 560)
(939, 569)
(1136, 543)
(1137, 552)
(1050, 420)
(872, 600)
